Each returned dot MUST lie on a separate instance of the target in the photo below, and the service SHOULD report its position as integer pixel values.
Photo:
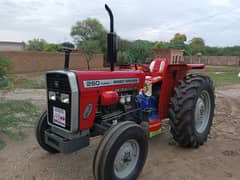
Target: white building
(11, 46)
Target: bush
(4, 66)
(5, 82)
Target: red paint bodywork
(169, 80)
(109, 98)
(92, 95)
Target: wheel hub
(126, 158)
(202, 112)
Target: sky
(216, 21)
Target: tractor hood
(90, 81)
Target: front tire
(122, 153)
(42, 125)
(191, 110)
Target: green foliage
(178, 38)
(4, 66)
(123, 44)
(178, 45)
(90, 47)
(42, 45)
(197, 43)
(122, 57)
(139, 50)
(90, 29)
(218, 51)
(36, 45)
(161, 44)
(53, 48)
(7, 83)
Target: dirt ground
(218, 159)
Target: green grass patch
(24, 81)
(222, 75)
(14, 115)
(29, 84)
(30, 80)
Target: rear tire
(191, 110)
(122, 152)
(42, 125)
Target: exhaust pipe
(111, 41)
(68, 48)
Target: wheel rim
(202, 111)
(126, 158)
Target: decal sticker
(109, 82)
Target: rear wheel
(122, 153)
(191, 110)
(42, 125)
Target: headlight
(65, 98)
(52, 95)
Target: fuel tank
(93, 83)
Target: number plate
(59, 116)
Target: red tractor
(115, 104)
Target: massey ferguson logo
(109, 82)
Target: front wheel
(122, 153)
(41, 126)
(191, 110)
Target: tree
(89, 29)
(53, 48)
(90, 48)
(161, 44)
(139, 50)
(42, 45)
(36, 44)
(178, 38)
(123, 44)
(197, 43)
(122, 57)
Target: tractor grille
(59, 83)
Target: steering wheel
(143, 67)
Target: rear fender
(195, 66)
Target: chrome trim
(74, 100)
(109, 82)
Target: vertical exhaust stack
(111, 41)
(68, 48)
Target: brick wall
(22, 62)
(214, 60)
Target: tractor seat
(159, 65)
(157, 68)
